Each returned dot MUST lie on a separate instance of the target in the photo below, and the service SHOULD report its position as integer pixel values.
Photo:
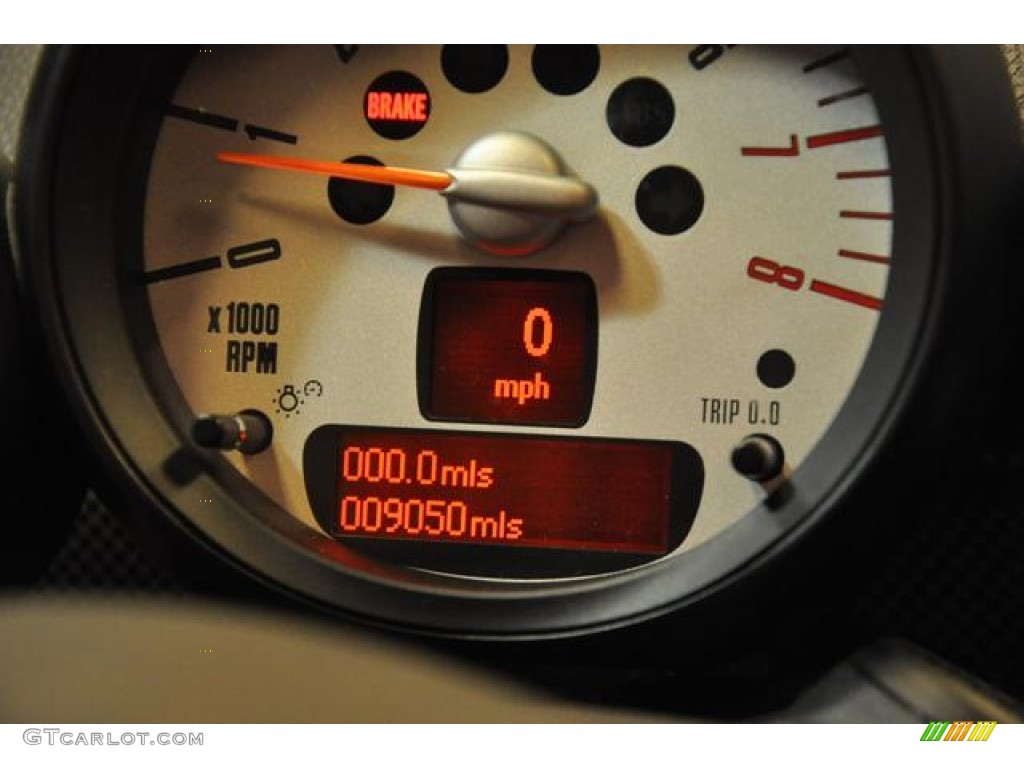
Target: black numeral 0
(251, 254)
(705, 55)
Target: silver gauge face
(736, 260)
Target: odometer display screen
(467, 490)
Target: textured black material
(17, 62)
(1015, 66)
(100, 554)
(956, 585)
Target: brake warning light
(396, 105)
(381, 105)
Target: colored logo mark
(960, 730)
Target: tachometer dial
(586, 327)
(736, 263)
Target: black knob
(758, 457)
(247, 431)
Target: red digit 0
(535, 315)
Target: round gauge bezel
(93, 119)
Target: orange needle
(374, 174)
(554, 196)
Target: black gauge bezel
(39, 515)
(946, 138)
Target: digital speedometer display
(634, 497)
(508, 346)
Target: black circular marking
(397, 105)
(474, 68)
(359, 202)
(669, 200)
(640, 112)
(775, 368)
(565, 69)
